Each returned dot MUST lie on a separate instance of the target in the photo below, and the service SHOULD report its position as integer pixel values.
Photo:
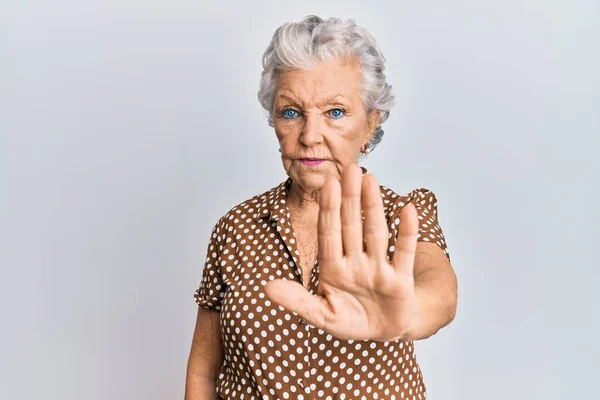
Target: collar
(273, 203)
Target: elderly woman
(318, 287)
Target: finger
(295, 298)
(406, 242)
(375, 226)
(352, 236)
(329, 226)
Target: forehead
(321, 83)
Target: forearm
(200, 388)
(201, 378)
(436, 301)
(206, 357)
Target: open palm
(361, 294)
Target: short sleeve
(212, 289)
(430, 230)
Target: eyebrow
(338, 99)
(335, 99)
(283, 96)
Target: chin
(310, 180)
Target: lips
(311, 161)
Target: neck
(303, 201)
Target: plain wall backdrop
(127, 128)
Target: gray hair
(301, 45)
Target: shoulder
(421, 198)
(425, 202)
(246, 211)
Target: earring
(280, 149)
(366, 149)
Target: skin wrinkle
(314, 134)
(312, 131)
(313, 93)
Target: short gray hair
(301, 45)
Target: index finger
(329, 227)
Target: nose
(312, 131)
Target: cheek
(350, 130)
(346, 139)
(341, 145)
(287, 131)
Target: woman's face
(320, 121)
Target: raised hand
(361, 294)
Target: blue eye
(289, 113)
(337, 113)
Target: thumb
(406, 242)
(294, 297)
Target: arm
(381, 291)
(436, 290)
(206, 357)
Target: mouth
(311, 161)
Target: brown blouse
(270, 353)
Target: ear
(372, 121)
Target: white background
(127, 128)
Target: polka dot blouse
(270, 353)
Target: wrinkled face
(320, 121)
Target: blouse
(270, 353)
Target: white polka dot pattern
(270, 353)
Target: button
(302, 322)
